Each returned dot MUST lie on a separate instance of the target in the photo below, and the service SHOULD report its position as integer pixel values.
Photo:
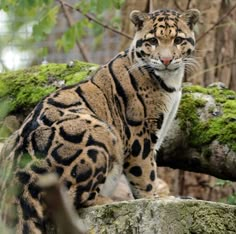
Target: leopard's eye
(153, 41)
(178, 40)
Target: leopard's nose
(166, 60)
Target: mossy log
(202, 138)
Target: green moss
(222, 127)
(25, 88)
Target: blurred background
(47, 31)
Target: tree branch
(195, 143)
(178, 6)
(217, 23)
(92, 18)
(188, 4)
(150, 6)
(71, 23)
(155, 216)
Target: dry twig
(71, 23)
(188, 4)
(218, 22)
(178, 6)
(92, 18)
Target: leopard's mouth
(167, 69)
(163, 68)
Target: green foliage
(222, 183)
(42, 15)
(5, 108)
(221, 127)
(45, 24)
(73, 33)
(231, 199)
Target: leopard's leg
(141, 171)
(94, 182)
(92, 176)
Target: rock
(161, 216)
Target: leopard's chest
(168, 116)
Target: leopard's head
(164, 40)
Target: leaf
(103, 5)
(46, 24)
(47, 2)
(118, 3)
(68, 39)
(86, 6)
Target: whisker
(191, 64)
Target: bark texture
(218, 160)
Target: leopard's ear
(138, 18)
(191, 17)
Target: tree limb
(71, 23)
(217, 160)
(188, 4)
(193, 146)
(92, 18)
(217, 23)
(151, 216)
(178, 6)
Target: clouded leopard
(111, 123)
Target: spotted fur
(113, 122)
